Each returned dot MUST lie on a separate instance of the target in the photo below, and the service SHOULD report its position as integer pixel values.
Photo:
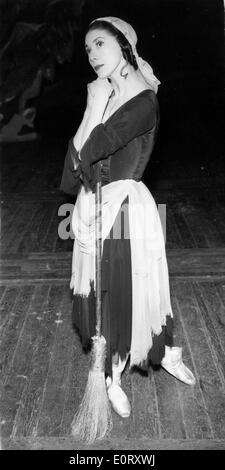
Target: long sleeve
(134, 118)
(71, 182)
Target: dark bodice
(121, 146)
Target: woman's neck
(123, 87)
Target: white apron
(150, 282)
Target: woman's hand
(99, 92)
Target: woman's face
(104, 52)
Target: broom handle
(98, 251)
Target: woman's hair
(121, 39)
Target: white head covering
(130, 34)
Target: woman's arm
(97, 99)
(78, 136)
(98, 95)
(70, 182)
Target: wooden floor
(43, 368)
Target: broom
(93, 419)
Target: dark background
(184, 42)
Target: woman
(118, 132)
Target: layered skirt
(136, 309)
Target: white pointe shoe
(172, 363)
(119, 400)
(117, 397)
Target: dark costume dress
(122, 145)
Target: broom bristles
(93, 419)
